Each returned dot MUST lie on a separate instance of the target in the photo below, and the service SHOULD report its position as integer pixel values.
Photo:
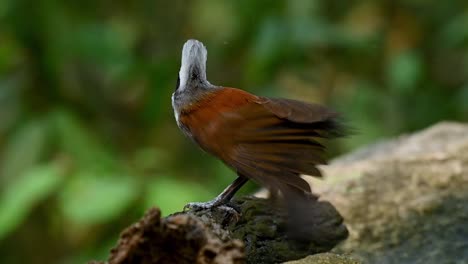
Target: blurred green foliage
(87, 135)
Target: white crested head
(193, 63)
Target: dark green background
(87, 135)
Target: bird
(271, 141)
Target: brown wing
(274, 141)
(296, 111)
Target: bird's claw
(198, 206)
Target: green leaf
(404, 71)
(23, 194)
(10, 53)
(76, 141)
(4, 7)
(146, 159)
(462, 98)
(24, 149)
(206, 11)
(454, 33)
(107, 45)
(95, 194)
(366, 96)
(92, 198)
(269, 47)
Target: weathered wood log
(256, 235)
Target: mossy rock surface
(263, 229)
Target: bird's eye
(178, 83)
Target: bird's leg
(223, 198)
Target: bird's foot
(211, 205)
(197, 206)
